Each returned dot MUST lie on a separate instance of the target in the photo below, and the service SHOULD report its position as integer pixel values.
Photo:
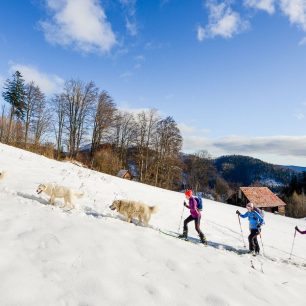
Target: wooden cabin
(125, 174)
(261, 197)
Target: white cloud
(296, 11)
(48, 83)
(265, 5)
(282, 150)
(80, 23)
(282, 145)
(222, 21)
(200, 33)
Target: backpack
(199, 203)
(261, 213)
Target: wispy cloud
(302, 42)
(2, 81)
(200, 33)
(130, 16)
(299, 116)
(48, 83)
(265, 5)
(126, 75)
(139, 60)
(78, 23)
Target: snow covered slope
(91, 257)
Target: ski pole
(181, 219)
(263, 250)
(241, 231)
(292, 244)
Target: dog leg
(51, 201)
(129, 218)
(65, 203)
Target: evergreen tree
(14, 94)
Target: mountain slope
(245, 170)
(91, 257)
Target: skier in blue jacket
(255, 220)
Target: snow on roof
(262, 196)
(122, 173)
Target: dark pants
(253, 243)
(197, 226)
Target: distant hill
(296, 168)
(245, 171)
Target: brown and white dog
(57, 191)
(132, 209)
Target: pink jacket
(193, 208)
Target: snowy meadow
(91, 256)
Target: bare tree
(103, 117)
(78, 101)
(58, 103)
(124, 134)
(200, 169)
(168, 143)
(146, 123)
(41, 119)
(33, 97)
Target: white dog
(56, 191)
(133, 209)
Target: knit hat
(250, 205)
(188, 193)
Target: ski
(175, 235)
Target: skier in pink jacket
(195, 215)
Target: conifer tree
(14, 94)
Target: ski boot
(183, 236)
(203, 240)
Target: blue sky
(231, 73)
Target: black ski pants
(196, 223)
(253, 242)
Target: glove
(185, 204)
(258, 226)
(238, 212)
(296, 228)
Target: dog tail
(78, 194)
(153, 209)
(2, 175)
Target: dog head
(115, 205)
(41, 188)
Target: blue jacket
(255, 219)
